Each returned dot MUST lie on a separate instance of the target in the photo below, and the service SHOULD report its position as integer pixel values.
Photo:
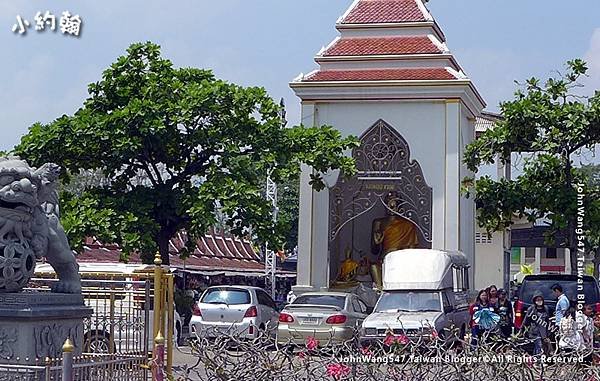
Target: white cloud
(592, 56)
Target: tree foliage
(550, 124)
(174, 147)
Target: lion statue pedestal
(35, 324)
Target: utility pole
(504, 171)
(270, 257)
(271, 196)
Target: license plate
(310, 320)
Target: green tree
(550, 124)
(289, 209)
(175, 147)
(591, 174)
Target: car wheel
(97, 342)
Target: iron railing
(89, 367)
(121, 315)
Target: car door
(268, 316)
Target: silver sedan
(329, 317)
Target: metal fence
(122, 316)
(132, 312)
(89, 367)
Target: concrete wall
(489, 261)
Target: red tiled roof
(382, 46)
(384, 11)
(212, 252)
(381, 75)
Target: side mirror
(369, 310)
(448, 309)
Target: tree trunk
(163, 240)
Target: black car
(542, 284)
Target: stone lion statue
(30, 228)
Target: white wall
(435, 131)
(489, 262)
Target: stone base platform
(35, 325)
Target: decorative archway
(384, 166)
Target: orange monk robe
(399, 234)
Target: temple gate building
(390, 79)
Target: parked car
(327, 316)
(425, 293)
(235, 310)
(542, 283)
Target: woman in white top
(570, 336)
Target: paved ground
(182, 359)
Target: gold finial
(159, 339)
(68, 346)
(157, 259)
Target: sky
(44, 75)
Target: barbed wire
(439, 357)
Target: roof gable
(386, 11)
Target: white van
(425, 293)
(121, 320)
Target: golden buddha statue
(392, 233)
(348, 271)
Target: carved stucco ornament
(8, 337)
(382, 157)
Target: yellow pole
(170, 322)
(158, 360)
(111, 343)
(157, 298)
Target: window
(530, 253)
(551, 253)
(461, 278)
(265, 299)
(457, 275)
(363, 307)
(226, 295)
(355, 305)
(515, 255)
(483, 238)
(322, 300)
(411, 301)
(445, 300)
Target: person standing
(587, 331)
(493, 293)
(562, 304)
(505, 311)
(291, 297)
(481, 303)
(535, 325)
(569, 334)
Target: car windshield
(226, 296)
(411, 301)
(322, 300)
(532, 287)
